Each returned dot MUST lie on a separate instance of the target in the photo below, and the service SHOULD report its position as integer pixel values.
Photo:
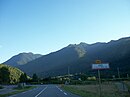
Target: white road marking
(58, 88)
(41, 91)
(61, 90)
(65, 93)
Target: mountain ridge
(80, 57)
(21, 59)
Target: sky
(45, 26)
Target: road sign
(100, 66)
(98, 61)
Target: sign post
(100, 66)
(99, 83)
(118, 71)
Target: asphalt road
(7, 89)
(45, 91)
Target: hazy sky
(44, 26)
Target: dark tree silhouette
(35, 78)
(23, 78)
(4, 75)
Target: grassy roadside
(18, 91)
(93, 90)
(79, 92)
(127, 84)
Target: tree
(35, 77)
(4, 75)
(23, 78)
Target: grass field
(17, 91)
(128, 84)
(108, 90)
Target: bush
(77, 82)
(1, 87)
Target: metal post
(68, 71)
(127, 76)
(118, 73)
(123, 86)
(99, 83)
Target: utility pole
(69, 74)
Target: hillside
(10, 74)
(22, 59)
(80, 57)
(53, 60)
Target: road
(45, 91)
(7, 89)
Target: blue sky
(44, 26)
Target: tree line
(13, 76)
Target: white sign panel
(100, 66)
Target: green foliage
(35, 78)
(23, 78)
(1, 87)
(9, 74)
(4, 75)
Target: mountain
(45, 64)
(22, 59)
(10, 74)
(79, 58)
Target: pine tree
(4, 75)
(23, 78)
(35, 77)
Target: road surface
(45, 91)
(7, 89)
